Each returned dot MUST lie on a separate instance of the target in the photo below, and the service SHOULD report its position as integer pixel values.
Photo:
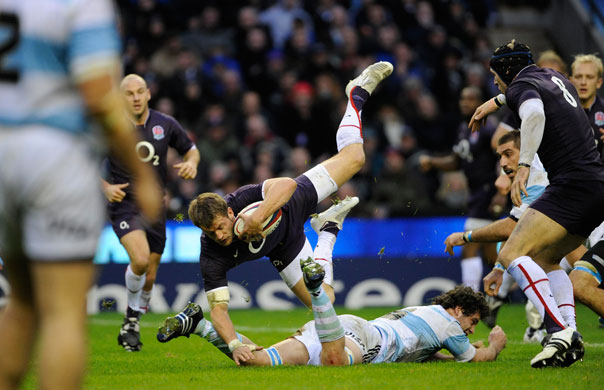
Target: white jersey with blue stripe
(535, 187)
(46, 56)
(414, 334)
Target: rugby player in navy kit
(221, 250)
(569, 209)
(143, 242)
(473, 153)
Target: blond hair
(551, 57)
(204, 209)
(586, 58)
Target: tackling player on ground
(412, 334)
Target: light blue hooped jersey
(49, 46)
(537, 182)
(414, 334)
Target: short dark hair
(513, 135)
(469, 300)
(509, 59)
(205, 208)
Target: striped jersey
(47, 46)
(414, 334)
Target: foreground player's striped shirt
(414, 334)
(78, 40)
(535, 186)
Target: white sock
(566, 265)
(134, 284)
(144, 300)
(471, 272)
(534, 319)
(506, 284)
(534, 282)
(562, 289)
(323, 254)
(350, 130)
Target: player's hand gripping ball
(268, 226)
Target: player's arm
(442, 163)
(187, 169)
(497, 341)
(480, 115)
(219, 311)
(532, 114)
(497, 231)
(277, 192)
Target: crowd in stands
(259, 85)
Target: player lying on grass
(297, 198)
(412, 334)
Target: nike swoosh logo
(236, 252)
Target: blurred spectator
(280, 18)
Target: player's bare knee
(139, 263)
(333, 357)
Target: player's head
(210, 213)
(507, 61)
(466, 305)
(508, 150)
(586, 76)
(469, 100)
(550, 59)
(135, 91)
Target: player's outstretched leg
(562, 349)
(183, 324)
(129, 336)
(327, 225)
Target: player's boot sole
(312, 273)
(370, 77)
(183, 324)
(336, 214)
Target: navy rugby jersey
(567, 150)
(477, 158)
(159, 132)
(281, 246)
(595, 113)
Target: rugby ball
(269, 225)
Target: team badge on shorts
(599, 118)
(158, 132)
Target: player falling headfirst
(222, 250)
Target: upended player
(221, 250)
(559, 220)
(143, 242)
(412, 334)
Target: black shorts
(126, 217)
(576, 205)
(297, 210)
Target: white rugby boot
(336, 214)
(370, 77)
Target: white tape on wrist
(234, 344)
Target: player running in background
(59, 66)
(221, 250)
(143, 242)
(412, 334)
(559, 220)
(474, 154)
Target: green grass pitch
(195, 364)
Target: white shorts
(293, 273)
(475, 223)
(51, 204)
(357, 329)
